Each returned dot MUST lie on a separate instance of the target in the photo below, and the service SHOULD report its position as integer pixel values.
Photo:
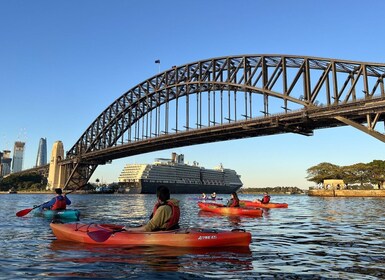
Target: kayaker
(165, 215)
(203, 196)
(213, 196)
(59, 202)
(265, 199)
(234, 200)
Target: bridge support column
(56, 174)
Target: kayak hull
(199, 238)
(67, 214)
(249, 203)
(223, 210)
(205, 199)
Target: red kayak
(222, 209)
(109, 234)
(257, 203)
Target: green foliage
(25, 182)
(323, 171)
(356, 173)
(377, 171)
(363, 174)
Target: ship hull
(144, 187)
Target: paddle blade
(23, 212)
(100, 235)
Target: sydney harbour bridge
(230, 97)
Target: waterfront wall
(347, 193)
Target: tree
(322, 171)
(366, 174)
(23, 182)
(376, 169)
(356, 173)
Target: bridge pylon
(56, 174)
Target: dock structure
(347, 193)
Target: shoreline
(38, 192)
(347, 193)
(25, 192)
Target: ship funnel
(173, 157)
(181, 158)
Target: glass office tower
(41, 158)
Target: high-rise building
(6, 163)
(41, 158)
(18, 155)
(1, 165)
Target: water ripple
(315, 238)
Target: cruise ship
(179, 177)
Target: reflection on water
(157, 257)
(315, 238)
(234, 221)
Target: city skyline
(75, 62)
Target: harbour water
(315, 238)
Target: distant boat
(179, 177)
(104, 189)
(12, 190)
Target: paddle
(24, 212)
(102, 235)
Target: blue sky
(63, 62)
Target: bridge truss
(231, 97)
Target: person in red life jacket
(234, 200)
(265, 199)
(165, 215)
(59, 202)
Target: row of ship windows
(168, 171)
(184, 178)
(164, 171)
(208, 182)
(176, 177)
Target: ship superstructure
(179, 177)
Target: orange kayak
(257, 203)
(221, 209)
(109, 234)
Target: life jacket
(173, 222)
(265, 199)
(234, 203)
(59, 204)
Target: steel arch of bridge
(230, 98)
